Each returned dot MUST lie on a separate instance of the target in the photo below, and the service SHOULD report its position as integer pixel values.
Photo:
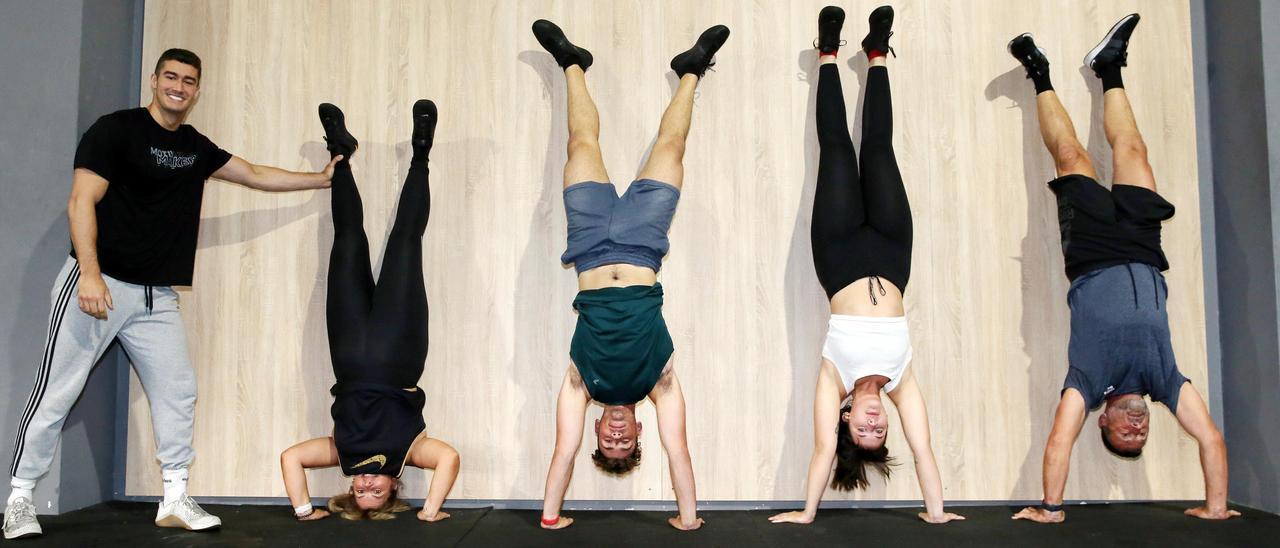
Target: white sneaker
(185, 513)
(20, 520)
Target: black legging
(378, 333)
(861, 226)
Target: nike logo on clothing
(381, 460)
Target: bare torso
(616, 275)
(856, 299)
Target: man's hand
(95, 298)
(317, 513)
(797, 516)
(1203, 512)
(675, 522)
(432, 518)
(943, 518)
(328, 170)
(561, 523)
(1040, 515)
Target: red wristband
(551, 520)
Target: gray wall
(65, 63)
(1244, 121)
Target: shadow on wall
(1248, 429)
(540, 268)
(1040, 341)
(803, 295)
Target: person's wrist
(303, 511)
(1050, 507)
(549, 521)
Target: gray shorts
(1120, 340)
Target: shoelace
(189, 504)
(838, 46)
(23, 511)
(887, 46)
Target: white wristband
(303, 510)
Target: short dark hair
(186, 57)
(1127, 454)
(852, 460)
(619, 466)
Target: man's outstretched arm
(571, 410)
(668, 401)
(1067, 423)
(1194, 417)
(274, 179)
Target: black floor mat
(1129, 525)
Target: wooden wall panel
(986, 305)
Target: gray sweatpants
(147, 323)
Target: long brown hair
(345, 505)
(852, 460)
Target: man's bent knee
(580, 146)
(669, 147)
(1132, 149)
(1072, 159)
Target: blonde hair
(345, 505)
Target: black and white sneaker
(701, 56)
(830, 21)
(552, 39)
(1024, 49)
(1114, 48)
(20, 520)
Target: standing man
(1120, 347)
(134, 216)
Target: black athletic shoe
(424, 125)
(881, 28)
(335, 132)
(554, 41)
(830, 21)
(701, 56)
(1024, 49)
(1114, 49)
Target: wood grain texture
(987, 302)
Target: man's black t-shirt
(149, 217)
(1102, 228)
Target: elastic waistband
(870, 320)
(623, 292)
(867, 324)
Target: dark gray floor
(1129, 525)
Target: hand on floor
(675, 522)
(431, 518)
(945, 517)
(1039, 515)
(317, 513)
(791, 517)
(1203, 512)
